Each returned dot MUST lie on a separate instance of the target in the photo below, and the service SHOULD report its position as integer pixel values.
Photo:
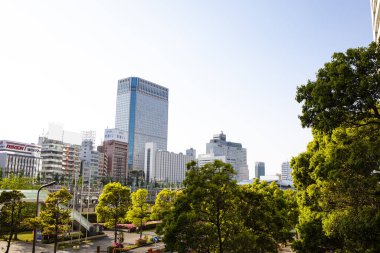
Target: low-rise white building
(19, 158)
(164, 166)
(115, 134)
(229, 152)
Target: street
(88, 247)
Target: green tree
(346, 91)
(338, 175)
(113, 205)
(55, 217)
(25, 212)
(276, 210)
(138, 214)
(339, 185)
(214, 214)
(38, 178)
(11, 204)
(164, 202)
(204, 217)
(17, 183)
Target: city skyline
(231, 67)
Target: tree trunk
(218, 225)
(19, 219)
(11, 229)
(9, 240)
(56, 237)
(140, 229)
(115, 230)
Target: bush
(149, 226)
(129, 227)
(140, 242)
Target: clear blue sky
(231, 66)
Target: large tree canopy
(10, 208)
(338, 176)
(138, 214)
(55, 217)
(113, 204)
(346, 91)
(215, 215)
(164, 202)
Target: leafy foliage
(17, 183)
(163, 204)
(138, 214)
(11, 205)
(277, 211)
(113, 205)
(55, 217)
(346, 91)
(214, 214)
(338, 176)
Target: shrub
(140, 242)
(129, 227)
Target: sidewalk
(23, 247)
(87, 247)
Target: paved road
(159, 245)
(89, 247)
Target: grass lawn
(25, 236)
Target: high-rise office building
(259, 169)
(375, 7)
(230, 152)
(286, 171)
(142, 111)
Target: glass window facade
(142, 111)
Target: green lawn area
(25, 236)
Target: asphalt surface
(88, 247)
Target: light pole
(34, 229)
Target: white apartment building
(142, 112)
(230, 152)
(164, 166)
(286, 171)
(90, 162)
(59, 159)
(375, 6)
(19, 158)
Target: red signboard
(15, 147)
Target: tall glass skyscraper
(142, 111)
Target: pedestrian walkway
(23, 247)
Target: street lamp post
(34, 229)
